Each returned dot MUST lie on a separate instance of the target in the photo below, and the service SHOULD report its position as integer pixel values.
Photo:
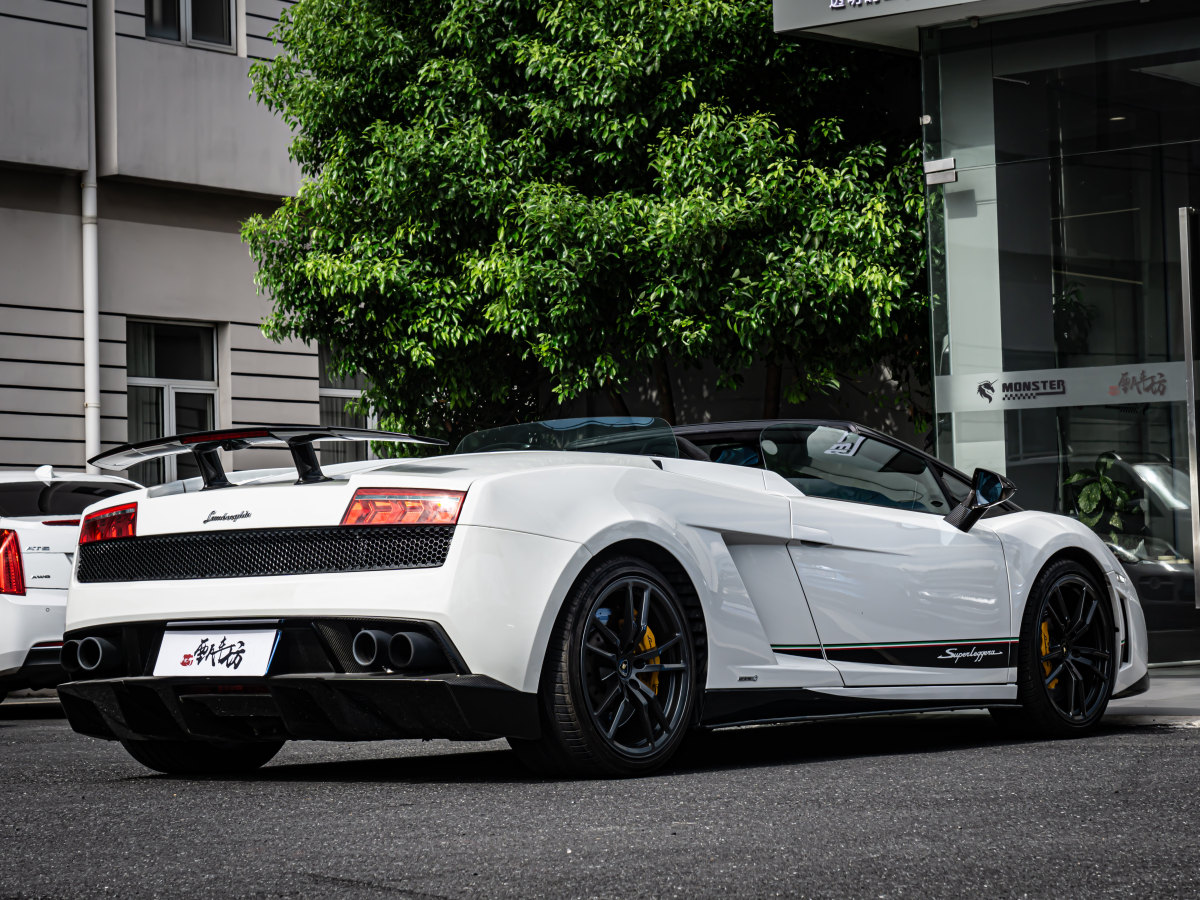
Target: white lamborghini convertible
(588, 589)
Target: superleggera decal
(992, 653)
(975, 654)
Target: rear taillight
(12, 575)
(401, 506)
(114, 522)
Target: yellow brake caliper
(648, 643)
(1045, 650)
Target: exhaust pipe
(403, 651)
(412, 650)
(97, 656)
(68, 656)
(370, 647)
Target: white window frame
(170, 426)
(185, 30)
(345, 394)
(171, 386)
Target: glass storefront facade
(1057, 254)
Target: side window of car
(841, 465)
(959, 489)
(734, 452)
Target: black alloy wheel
(634, 679)
(1068, 656)
(620, 681)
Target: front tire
(203, 757)
(1066, 661)
(619, 684)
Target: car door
(899, 596)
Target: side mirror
(988, 489)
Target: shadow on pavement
(25, 710)
(702, 751)
(848, 739)
(499, 766)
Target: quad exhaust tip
(91, 656)
(370, 647)
(404, 651)
(401, 651)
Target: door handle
(812, 536)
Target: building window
(197, 23)
(334, 394)
(172, 385)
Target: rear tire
(620, 680)
(202, 757)
(1067, 658)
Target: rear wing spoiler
(203, 445)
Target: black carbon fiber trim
(339, 638)
(264, 551)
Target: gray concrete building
(130, 152)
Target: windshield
(1169, 484)
(823, 461)
(1132, 548)
(59, 498)
(636, 436)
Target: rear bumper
(41, 669)
(33, 619)
(335, 707)
(496, 596)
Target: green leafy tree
(508, 203)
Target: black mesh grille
(264, 551)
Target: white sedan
(581, 589)
(39, 528)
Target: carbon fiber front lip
(1138, 687)
(334, 707)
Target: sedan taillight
(12, 574)
(106, 524)
(403, 506)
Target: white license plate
(216, 653)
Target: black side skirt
(725, 708)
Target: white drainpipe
(91, 267)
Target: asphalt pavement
(1174, 693)
(913, 806)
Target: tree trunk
(618, 403)
(773, 391)
(666, 393)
